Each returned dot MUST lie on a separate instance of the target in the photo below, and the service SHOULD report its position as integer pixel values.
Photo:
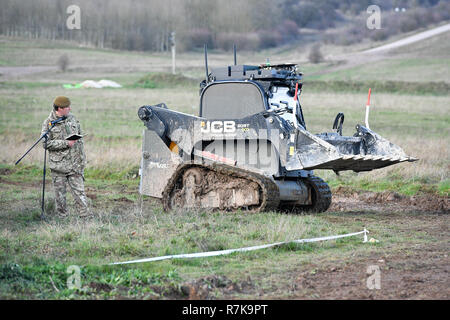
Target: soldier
(66, 158)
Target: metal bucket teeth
(339, 153)
(360, 162)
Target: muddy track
(269, 190)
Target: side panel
(249, 154)
(158, 164)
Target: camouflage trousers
(76, 185)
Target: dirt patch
(163, 291)
(422, 273)
(344, 200)
(35, 184)
(204, 287)
(412, 270)
(99, 287)
(5, 171)
(123, 199)
(91, 195)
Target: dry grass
(141, 229)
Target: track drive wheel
(320, 197)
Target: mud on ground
(349, 201)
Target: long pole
(173, 52)
(29, 149)
(43, 136)
(43, 180)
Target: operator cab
(243, 90)
(283, 102)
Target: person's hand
(71, 143)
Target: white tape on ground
(224, 252)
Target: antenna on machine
(206, 61)
(234, 50)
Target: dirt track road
(408, 40)
(8, 73)
(349, 60)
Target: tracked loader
(249, 147)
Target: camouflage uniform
(66, 164)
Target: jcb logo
(218, 126)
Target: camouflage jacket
(62, 158)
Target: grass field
(34, 255)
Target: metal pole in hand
(17, 162)
(45, 137)
(43, 180)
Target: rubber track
(270, 192)
(321, 202)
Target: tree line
(147, 25)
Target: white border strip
(224, 252)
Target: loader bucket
(365, 151)
(157, 165)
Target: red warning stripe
(216, 157)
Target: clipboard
(74, 137)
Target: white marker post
(172, 44)
(367, 110)
(296, 106)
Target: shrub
(288, 30)
(269, 39)
(379, 35)
(315, 56)
(63, 62)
